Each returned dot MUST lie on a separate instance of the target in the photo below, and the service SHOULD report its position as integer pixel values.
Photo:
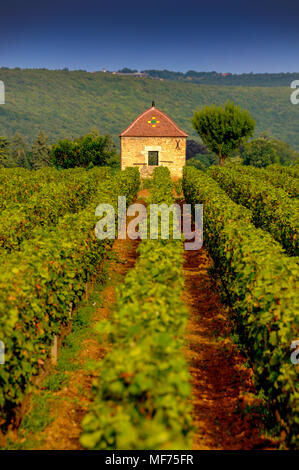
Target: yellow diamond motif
(153, 121)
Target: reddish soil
(143, 194)
(222, 385)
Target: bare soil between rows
(222, 386)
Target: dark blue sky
(226, 36)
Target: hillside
(227, 79)
(67, 104)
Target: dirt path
(222, 384)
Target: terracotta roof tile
(153, 123)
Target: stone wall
(172, 153)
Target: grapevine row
(44, 207)
(17, 185)
(274, 178)
(292, 171)
(272, 209)
(261, 283)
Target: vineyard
(152, 339)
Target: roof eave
(154, 136)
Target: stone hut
(153, 139)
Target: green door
(153, 158)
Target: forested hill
(68, 104)
(226, 79)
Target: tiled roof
(153, 123)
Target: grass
(34, 423)
(38, 417)
(55, 382)
(72, 344)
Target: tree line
(225, 79)
(17, 152)
(89, 150)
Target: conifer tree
(40, 152)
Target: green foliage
(142, 393)
(114, 161)
(70, 192)
(274, 177)
(128, 183)
(196, 163)
(223, 128)
(39, 282)
(38, 418)
(272, 209)
(260, 282)
(18, 149)
(65, 154)
(55, 382)
(286, 154)
(203, 161)
(161, 189)
(127, 70)
(146, 183)
(69, 104)
(18, 184)
(91, 149)
(177, 185)
(235, 161)
(226, 79)
(260, 153)
(292, 171)
(4, 152)
(40, 152)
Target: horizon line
(103, 70)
